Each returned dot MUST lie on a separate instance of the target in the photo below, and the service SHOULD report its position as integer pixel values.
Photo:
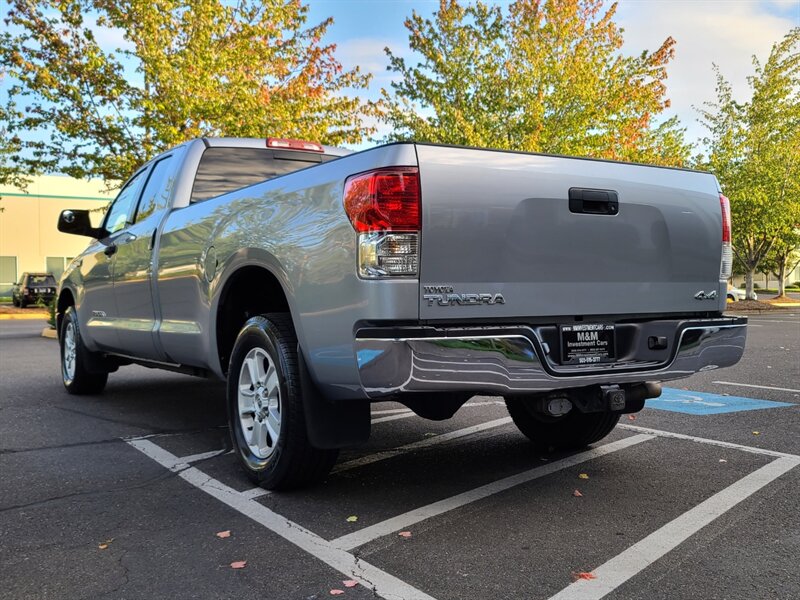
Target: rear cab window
(222, 170)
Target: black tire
(573, 430)
(290, 461)
(14, 301)
(22, 303)
(81, 381)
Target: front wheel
(573, 430)
(265, 407)
(75, 358)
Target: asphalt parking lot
(122, 495)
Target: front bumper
(517, 359)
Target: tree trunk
(782, 279)
(748, 281)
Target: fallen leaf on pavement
(405, 534)
(577, 494)
(223, 534)
(756, 433)
(585, 575)
(352, 519)
(104, 545)
(348, 583)
(722, 460)
(583, 476)
(238, 564)
(337, 592)
(631, 417)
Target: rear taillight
(384, 208)
(726, 264)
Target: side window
(117, 215)
(157, 190)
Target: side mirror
(78, 222)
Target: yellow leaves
(209, 67)
(537, 77)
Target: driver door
(97, 307)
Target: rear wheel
(265, 407)
(77, 378)
(14, 301)
(573, 430)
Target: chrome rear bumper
(509, 360)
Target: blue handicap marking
(366, 355)
(702, 403)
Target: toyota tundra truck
(316, 281)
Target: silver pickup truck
(316, 281)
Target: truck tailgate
(503, 223)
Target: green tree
(783, 258)
(755, 153)
(541, 76)
(188, 68)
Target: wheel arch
(250, 287)
(66, 298)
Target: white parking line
(389, 411)
(381, 583)
(610, 575)
(431, 441)
(760, 387)
(362, 536)
(792, 321)
(692, 438)
(403, 415)
(202, 456)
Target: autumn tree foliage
(187, 68)
(754, 150)
(539, 75)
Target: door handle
(593, 202)
(110, 250)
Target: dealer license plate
(587, 343)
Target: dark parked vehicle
(33, 287)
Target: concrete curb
(22, 316)
(49, 333)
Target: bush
(51, 314)
(756, 286)
(51, 311)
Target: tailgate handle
(593, 202)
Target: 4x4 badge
(701, 295)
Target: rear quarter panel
(294, 226)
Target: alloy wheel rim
(70, 351)
(259, 403)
